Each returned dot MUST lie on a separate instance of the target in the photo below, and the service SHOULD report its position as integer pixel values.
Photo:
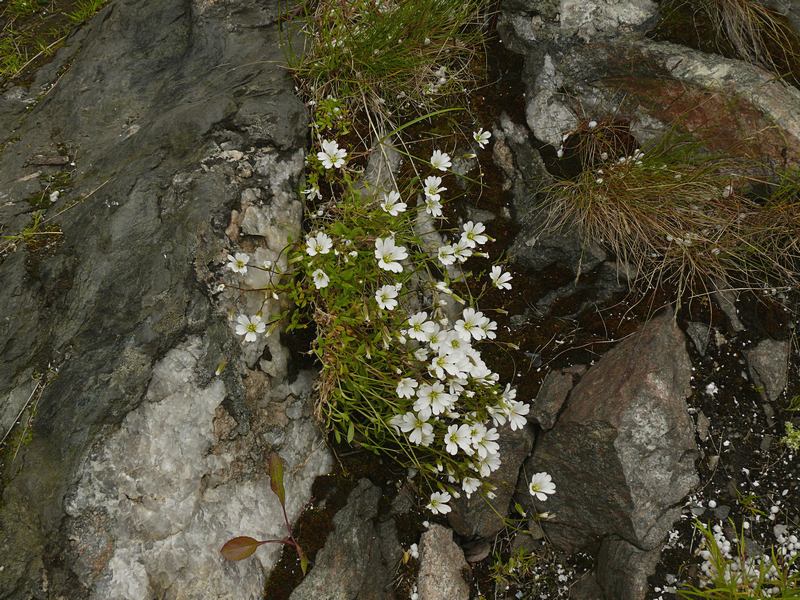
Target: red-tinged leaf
(276, 477)
(239, 547)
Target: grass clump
(32, 30)
(390, 56)
(744, 29)
(730, 571)
(758, 34)
(678, 216)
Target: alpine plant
(400, 348)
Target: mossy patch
(32, 30)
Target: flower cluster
(402, 365)
(724, 561)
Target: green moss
(792, 438)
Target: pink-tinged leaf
(239, 548)
(276, 477)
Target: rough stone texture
(140, 489)
(586, 588)
(551, 397)
(475, 517)
(441, 567)
(699, 333)
(657, 82)
(622, 569)
(560, 20)
(359, 556)
(173, 113)
(769, 366)
(622, 452)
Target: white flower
(389, 255)
(446, 255)
(440, 160)
(461, 250)
(392, 205)
(470, 325)
(457, 437)
(454, 364)
(516, 412)
(486, 445)
(473, 234)
(500, 278)
(321, 280)
(438, 504)
(498, 413)
(432, 187)
(482, 137)
(420, 430)
(470, 485)
(432, 399)
(319, 244)
(386, 296)
(488, 328)
(312, 192)
(421, 354)
(238, 262)
(488, 464)
(396, 422)
(250, 327)
(433, 335)
(433, 206)
(592, 124)
(419, 327)
(331, 157)
(406, 387)
(541, 485)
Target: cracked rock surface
(180, 126)
(623, 447)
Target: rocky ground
(162, 136)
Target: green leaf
(351, 432)
(276, 477)
(239, 548)
(303, 558)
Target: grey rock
(441, 566)
(586, 588)
(622, 452)
(476, 551)
(703, 425)
(141, 461)
(634, 76)
(699, 334)
(622, 569)
(483, 518)
(551, 397)
(585, 20)
(768, 362)
(726, 300)
(359, 556)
